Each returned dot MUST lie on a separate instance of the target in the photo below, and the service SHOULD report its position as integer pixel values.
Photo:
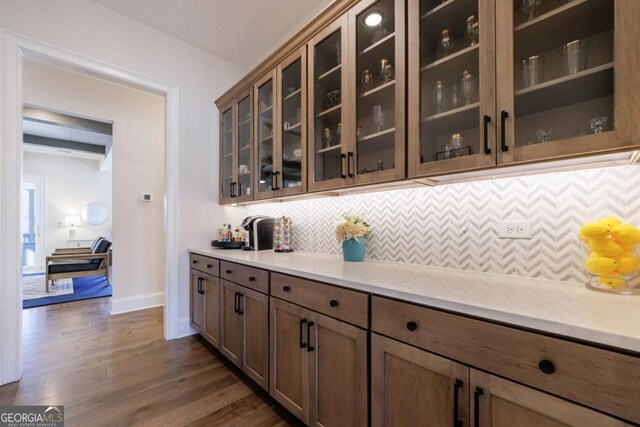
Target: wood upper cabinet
(197, 302)
(451, 102)
(413, 387)
(227, 161)
(574, 93)
(501, 403)
(265, 177)
(211, 289)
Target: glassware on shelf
(455, 96)
(359, 133)
(438, 96)
(472, 30)
(446, 151)
(386, 71)
(543, 135)
(530, 6)
(532, 70)
(468, 85)
(445, 42)
(574, 56)
(337, 49)
(327, 138)
(367, 79)
(379, 34)
(339, 133)
(378, 117)
(597, 124)
(456, 142)
(380, 167)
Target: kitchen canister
(282, 235)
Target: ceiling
(240, 31)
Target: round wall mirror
(94, 214)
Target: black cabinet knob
(195, 261)
(412, 326)
(228, 271)
(547, 366)
(333, 303)
(252, 279)
(286, 288)
(209, 265)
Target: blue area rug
(83, 288)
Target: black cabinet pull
(195, 261)
(235, 302)
(547, 366)
(503, 133)
(277, 173)
(231, 189)
(457, 384)
(309, 346)
(412, 326)
(239, 192)
(240, 311)
(228, 271)
(209, 265)
(285, 288)
(343, 157)
(333, 303)
(487, 120)
(252, 279)
(273, 181)
(349, 161)
(200, 285)
(476, 406)
(302, 323)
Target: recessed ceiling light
(373, 19)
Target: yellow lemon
(611, 221)
(605, 247)
(627, 263)
(626, 234)
(598, 264)
(611, 282)
(595, 230)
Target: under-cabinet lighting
(373, 19)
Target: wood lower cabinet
(230, 322)
(318, 366)
(211, 289)
(197, 303)
(413, 387)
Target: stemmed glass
(445, 42)
(471, 30)
(468, 86)
(597, 124)
(378, 117)
(529, 6)
(544, 135)
(438, 96)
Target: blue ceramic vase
(353, 250)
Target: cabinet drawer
(602, 379)
(252, 278)
(343, 304)
(205, 264)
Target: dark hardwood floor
(119, 371)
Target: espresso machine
(260, 231)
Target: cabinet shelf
(329, 110)
(450, 14)
(377, 134)
(378, 43)
(244, 122)
(246, 147)
(452, 121)
(228, 155)
(328, 73)
(293, 94)
(333, 147)
(449, 7)
(455, 111)
(588, 84)
(267, 139)
(266, 110)
(457, 59)
(377, 89)
(292, 128)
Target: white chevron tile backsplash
(456, 225)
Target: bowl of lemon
(611, 256)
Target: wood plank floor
(119, 371)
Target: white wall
(88, 29)
(70, 183)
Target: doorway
(33, 224)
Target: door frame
(13, 48)
(40, 217)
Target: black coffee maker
(260, 230)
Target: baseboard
(138, 302)
(184, 327)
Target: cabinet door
(501, 403)
(266, 137)
(243, 191)
(329, 136)
(289, 383)
(573, 93)
(197, 302)
(231, 322)
(377, 84)
(292, 85)
(413, 387)
(338, 372)
(211, 288)
(451, 86)
(254, 310)
(227, 163)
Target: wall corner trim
(184, 327)
(137, 302)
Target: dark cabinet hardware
(209, 265)
(457, 384)
(285, 288)
(303, 322)
(195, 261)
(239, 192)
(487, 120)
(412, 326)
(236, 301)
(200, 285)
(503, 132)
(333, 303)
(228, 271)
(252, 279)
(273, 181)
(310, 348)
(343, 157)
(240, 310)
(349, 162)
(277, 187)
(479, 391)
(232, 189)
(547, 366)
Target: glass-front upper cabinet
(377, 73)
(560, 77)
(328, 108)
(451, 86)
(227, 172)
(292, 147)
(243, 190)
(265, 141)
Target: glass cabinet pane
(265, 137)
(227, 152)
(291, 117)
(327, 104)
(563, 84)
(450, 38)
(375, 107)
(244, 148)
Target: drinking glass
(574, 56)
(445, 42)
(544, 135)
(532, 70)
(327, 138)
(367, 79)
(529, 6)
(455, 96)
(468, 85)
(438, 96)
(456, 142)
(597, 124)
(378, 117)
(386, 71)
(339, 133)
(471, 30)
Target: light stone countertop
(563, 308)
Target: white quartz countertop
(562, 308)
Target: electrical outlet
(514, 229)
